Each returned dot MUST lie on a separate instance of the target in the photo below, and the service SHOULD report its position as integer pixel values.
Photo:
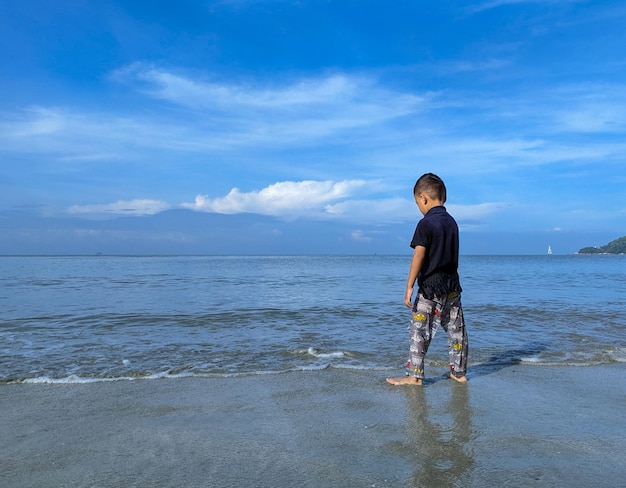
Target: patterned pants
(427, 316)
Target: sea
(77, 319)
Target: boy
(435, 268)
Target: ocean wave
(434, 368)
(169, 375)
(181, 363)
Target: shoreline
(516, 425)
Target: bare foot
(458, 379)
(404, 381)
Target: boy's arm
(416, 264)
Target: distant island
(618, 246)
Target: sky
(300, 127)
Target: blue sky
(269, 126)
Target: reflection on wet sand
(439, 437)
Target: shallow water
(91, 318)
(513, 426)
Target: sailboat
(549, 250)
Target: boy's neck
(425, 202)
(432, 204)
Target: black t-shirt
(439, 234)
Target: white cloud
(130, 207)
(496, 3)
(286, 198)
(199, 94)
(464, 66)
(499, 3)
(207, 116)
(334, 89)
(589, 112)
(359, 235)
(348, 111)
(37, 121)
(399, 210)
(382, 211)
(286, 113)
(477, 211)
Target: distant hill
(618, 246)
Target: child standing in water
(434, 267)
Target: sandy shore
(515, 426)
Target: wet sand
(514, 426)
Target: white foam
(315, 352)
(364, 367)
(72, 380)
(314, 367)
(165, 375)
(533, 359)
(618, 354)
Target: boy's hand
(408, 297)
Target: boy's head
(429, 191)
(432, 186)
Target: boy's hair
(432, 185)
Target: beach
(516, 425)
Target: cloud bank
(352, 201)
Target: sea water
(102, 318)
